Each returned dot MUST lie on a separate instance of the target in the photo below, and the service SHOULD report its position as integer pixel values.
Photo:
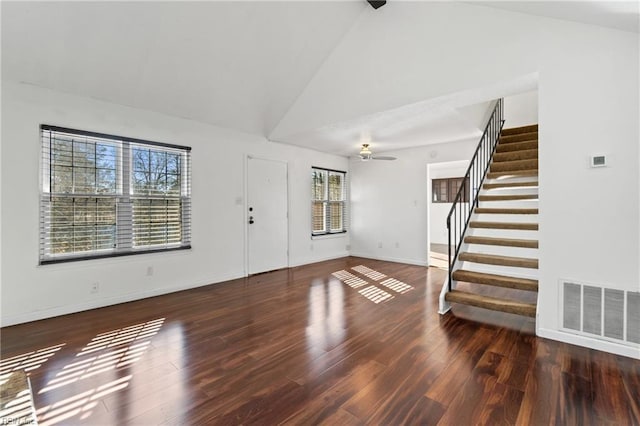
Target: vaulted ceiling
(259, 67)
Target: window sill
(329, 236)
(110, 256)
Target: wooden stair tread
(492, 303)
(519, 137)
(494, 259)
(525, 226)
(494, 210)
(509, 185)
(525, 154)
(517, 146)
(508, 197)
(495, 280)
(502, 166)
(514, 173)
(507, 242)
(522, 129)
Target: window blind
(104, 195)
(328, 201)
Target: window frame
(326, 203)
(452, 188)
(122, 196)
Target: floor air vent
(604, 312)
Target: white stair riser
(509, 218)
(504, 251)
(511, 204)
(501, 270)
(512, 179)
(522, 190)
(503, 233)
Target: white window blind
(328, 201)
(105, 195)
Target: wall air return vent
(604, 313)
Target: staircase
(498, 255)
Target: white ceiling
(240, 65)
(619, 14)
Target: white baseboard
(8, 320)
(588, 342)
(419, 262)
(309, 260)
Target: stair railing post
(449, 247)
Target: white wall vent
(606, 313)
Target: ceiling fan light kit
(366, 155)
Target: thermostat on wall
(598, 160)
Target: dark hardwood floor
(299, 346)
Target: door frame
(245, 206)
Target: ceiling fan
(366, 155)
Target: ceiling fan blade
(383, 157)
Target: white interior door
(267, 205)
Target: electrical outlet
(397, 244)
(95, 288)
(149, 271)
(380, 244)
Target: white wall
(389, 202)
(32, 292)
(588, 103)
(521, 109)
(438, 212)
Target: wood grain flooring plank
(394, 385)
(502, 406)
(328, 394)
(575, 406)
(512, 373)
(609, 391)
(630, 371)
(467, 404)
(542, 393)
(342, 418)
(407, 402)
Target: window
(445, 190)
(105, 195)
(328, 201)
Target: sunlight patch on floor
(372, 292)
(27, 362)
(369, 273)
(349, 279)
(396, 285)
(106, 353)
(375, 294)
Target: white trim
(418, 262)
(101, 303)
(589, 342)
(329, 236)
(310, 260)
(443, 305)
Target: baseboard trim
(417, 262)
(588, 342)
(9, 320)
(308, 261)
